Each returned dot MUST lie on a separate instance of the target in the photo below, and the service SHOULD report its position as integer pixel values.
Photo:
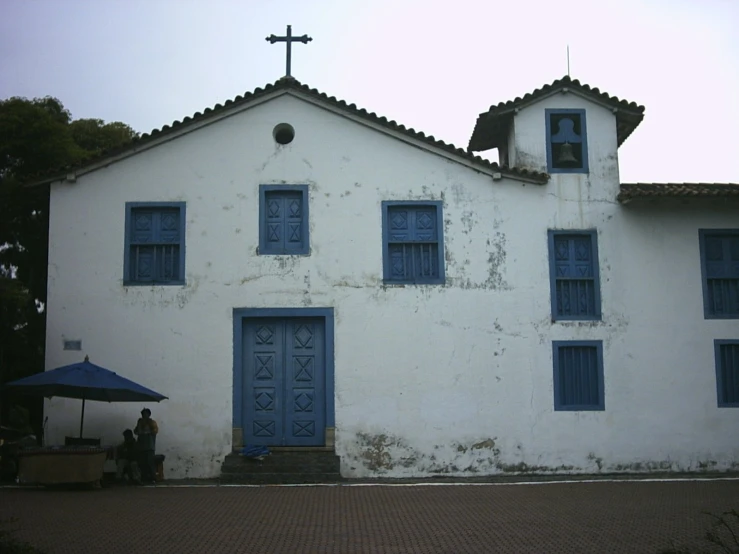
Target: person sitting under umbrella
(147, 429)
(86, 381)
(127, 458)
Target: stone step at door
(283, 467)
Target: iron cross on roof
(305, 39)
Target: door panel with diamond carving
(284, 382)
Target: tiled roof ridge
(563, 82)
(291, 83)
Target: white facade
(452, 379)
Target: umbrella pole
(82, 419)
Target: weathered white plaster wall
(453, 379)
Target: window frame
(386, 273)
(717, 344)
(558, 406)
(130, 207)
(593, 234)
(548, 113)
(702, 233)
(304, 224)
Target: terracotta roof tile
(492, 126)
(289, 83)
(629, 191)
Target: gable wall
(429, 379)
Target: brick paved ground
(597, 517)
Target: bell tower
(565, 128)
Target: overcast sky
(430, 65)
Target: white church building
(293, 271)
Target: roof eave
(291, 87)
(167, 134)
(626, 123)
(416, 138)
(491, 131)
(661, 191)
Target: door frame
(239, 315)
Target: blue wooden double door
(284, 379)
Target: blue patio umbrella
(86, 381)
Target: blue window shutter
(142, 246)
(413, 249)
(727, 373)
(169, 238)
(578, 375)
(720, 268)
(574, 275)
(283, 216)
(275, 222)
(401, 231)
(426, 255)
(293, 221)
(155, 243)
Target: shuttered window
(720, 270)
(574, 275)
(413, 250)
(578, 375)
(155, 244)
(283, 219)
(727, 373)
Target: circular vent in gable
(283, 133)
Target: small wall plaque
(72, 345)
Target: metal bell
(566, 156)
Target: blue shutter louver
(574, 274)
(155, 243)
(721, 273)
(169, 248)
(727, 368)
(578, 369)
(578, 375)
(413, 243)
(283, 220)
(293, 221)
(275, 222)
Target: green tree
(36, 137)
(95, 136)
